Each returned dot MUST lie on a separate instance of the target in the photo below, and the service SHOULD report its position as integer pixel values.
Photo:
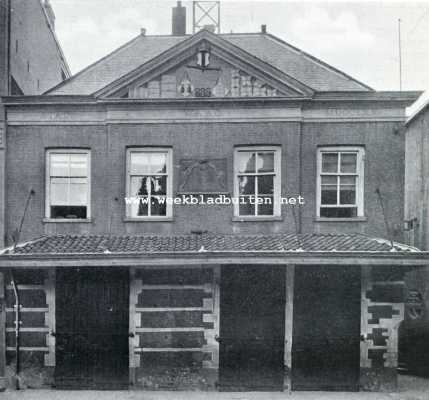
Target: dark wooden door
(92, 329)
(326, 328)
(252, 306)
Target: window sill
(353, 219)
(66, 220)
(152, 219)
(257, 219)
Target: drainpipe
(17, 326)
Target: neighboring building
(414, 344)
(32, 59)
(232, 297)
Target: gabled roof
(289, 60)
(204, 243)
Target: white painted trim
(23, 309)
(48, 181)
(45, 349)
(30, 329)
(277, 180)
(171, 309)
(360, 178)
(27, 287)
(175, 329)
(206, 288)
(169, 174)
(170, 349)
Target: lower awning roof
(193, 249)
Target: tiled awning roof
(201, 243)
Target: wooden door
(326, 328)
(92, 328)
(252, 309)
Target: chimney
(143, 31)
(50, 13)
(179, 20)
(263, 28)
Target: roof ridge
(317, 60)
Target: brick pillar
(382, 311)
(2, 333)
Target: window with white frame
(340, 182)
(257, 182)
(149, 183)
(68, 184)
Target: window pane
(329, 162)
(140, 186)
(59, 164)
(329, 194)
(265, 184)
(267, 207)
(158, 163)
(348, 162)
(348, 180)
(158, 206)
(70, 212)
(338, 212)
(59, 191)
(265, 162)
(78, 165)
(158, 185)
(246, 208)
(246, 184)
(329, 180)
(143, 207)
(78, 192)
(347, 190)
(246, 161)
(139, 163)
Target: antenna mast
(206, 14)
(400, 54)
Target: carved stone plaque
(207, 176)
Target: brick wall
(198, 141)
(382, 311)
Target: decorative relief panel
(203, 76)
(203, 176)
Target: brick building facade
(206, 296)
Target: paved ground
(410, 388)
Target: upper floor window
(149, 183)
(67, 184)
(340, 182)
(257, 181)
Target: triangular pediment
(205, 65)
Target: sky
(359, 38)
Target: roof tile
(149, 244)
(301, 66)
